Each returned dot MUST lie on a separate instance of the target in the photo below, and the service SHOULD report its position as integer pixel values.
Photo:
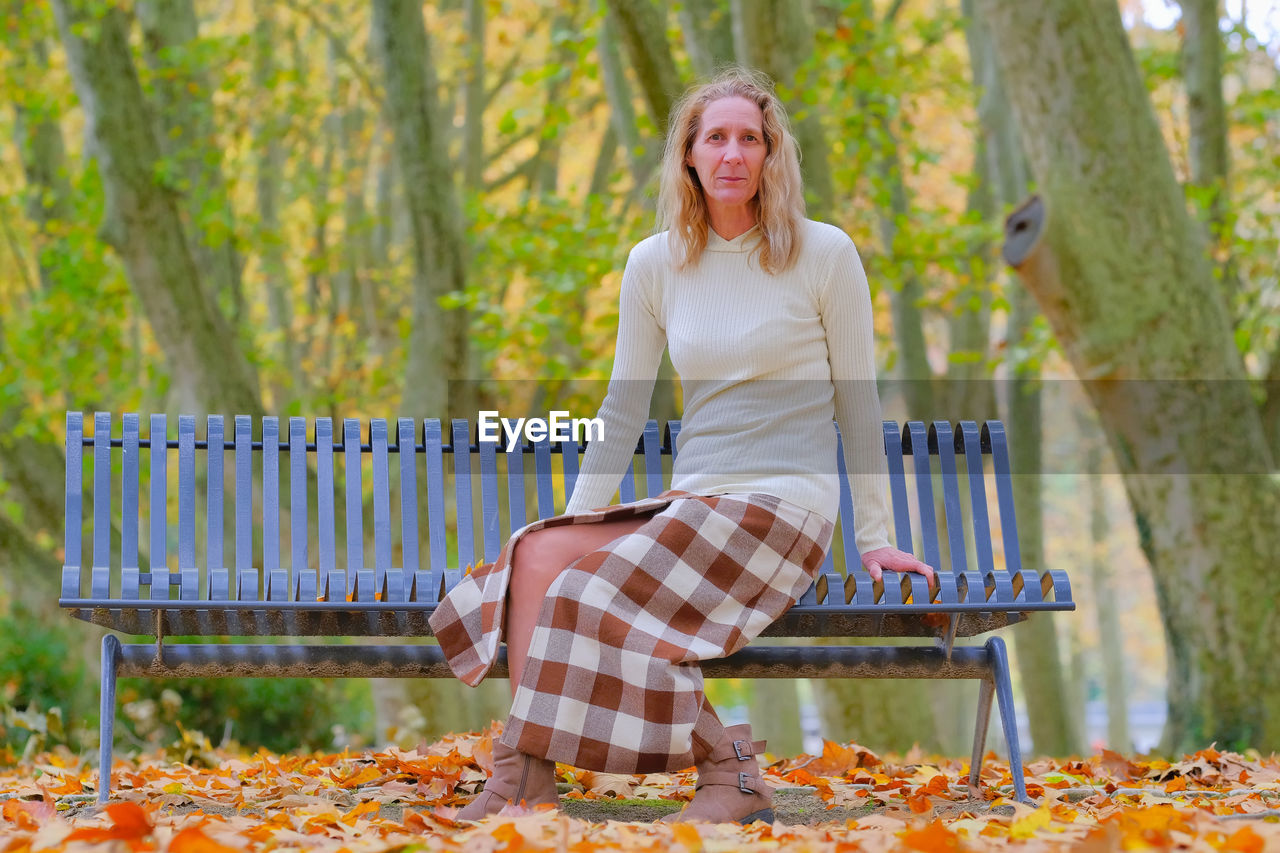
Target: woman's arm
(845, 308)
(638, 353)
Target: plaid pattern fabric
(612, 681)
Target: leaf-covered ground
(404, 800)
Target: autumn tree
(1120, 269)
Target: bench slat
(100, 569)
(463, 496)
(354, 505)
(392, 588)
(330, 586)
(977, 495)
(219, 581)
(942, 438)
(993, 432)
(489, 513)
(516, 482)
(129, 571)
(277, 580)
(847, 525)
(247, 585)
(157, 508)
(897, 487)
(304, 580)
(651, 440)
(74, 500)
(542, 478)
(916, 436)
(188, 574)
(569, 465)
(433, 438)
(408, 499)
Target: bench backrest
(323, 489)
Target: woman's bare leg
(539, 559)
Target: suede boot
(729, 786)
(517, 778)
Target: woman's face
(728, 151)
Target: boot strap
(741, 749)
(747, 783)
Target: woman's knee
(542, 555)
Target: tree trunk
(1120, 270)
(473, 99)
(1044, 688)
(188, 137)
(622, 114)
(141, 220)
(1110, 637)
(269, 168)
(776, 36)
(1054, 727)
(643, 29)
(544, 171)
(438, 336)
(708, 35)
(775, 715)
(1207, 120)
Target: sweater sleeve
(637, 355)
(845, 307)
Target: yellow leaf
(1026, 826)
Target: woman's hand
(893, 559)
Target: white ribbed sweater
(765, 361)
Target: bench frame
(322, 599)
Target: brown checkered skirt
(612, 681)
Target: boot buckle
(745, 788)
(738, 749)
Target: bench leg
(986, 690)
(999, 685)
(111, 655)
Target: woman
(767, 317)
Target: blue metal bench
(315, 592)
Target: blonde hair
(682, 205)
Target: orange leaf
(688, 836)
(1175, 785)
(1119, 766)
(129, 823)
(919, 803)
(1245, 840)
(507, 832)
(934, 838)
(23, 814)
(938, 786)
(366, 808)
(193, 840)
(836, 760)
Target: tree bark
(473, 99)
(210, 373)
(438, 336)
(1207, 120)
(622, 114)
(776, 36)
(708, 34)
(269, 168)
(643, 29)
(1110, 637)
(1120, 270)
(188, 138)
